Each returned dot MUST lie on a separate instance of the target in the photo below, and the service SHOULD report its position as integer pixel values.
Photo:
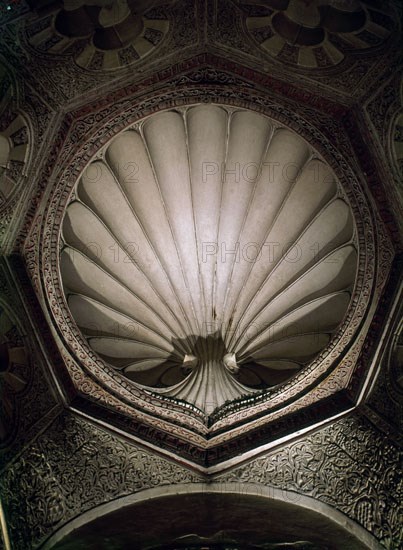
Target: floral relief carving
(347, 465)
(76, 466)
(72, 468)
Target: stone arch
(243, 515)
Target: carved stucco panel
(71, 468)
(76, 466)
(347, 465)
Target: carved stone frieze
(76, 466)
(348, 465)
(72, 468)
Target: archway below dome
(221, 516)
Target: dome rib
(141, 282)
(145, 317)
(203, 127)
(247, 212)
(84, 306)
(248, 136)
(148, 260)
(332, 319)
(169, 159)
(309, 264)
(280, 262)
(173, 280)
(308, 273)
(116, 161)
(250, 265)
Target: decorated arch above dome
(209, 254)
(316, 33)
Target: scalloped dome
(208, 253)
(101, 35)
(316, 33)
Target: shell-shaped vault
(208, 253)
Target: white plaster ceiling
(208, 254)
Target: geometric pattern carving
(100, 37)
(316, 33)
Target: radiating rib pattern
(203, 232)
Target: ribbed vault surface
(208, 253)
